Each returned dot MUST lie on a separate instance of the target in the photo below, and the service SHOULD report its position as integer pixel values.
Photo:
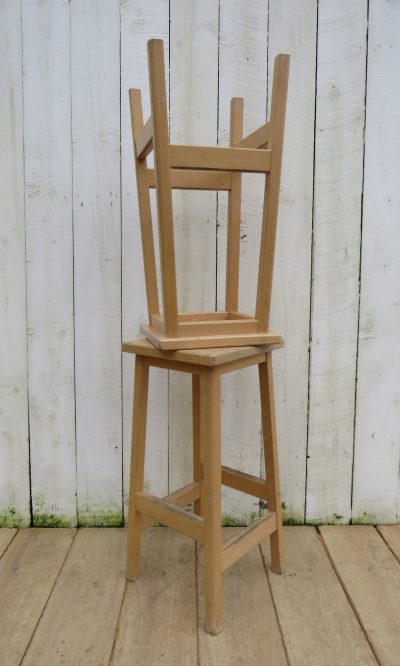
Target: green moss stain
(100, 518)
(243, 521)
(11, 518)
(291, 517)
(51, 520)
(366, 519)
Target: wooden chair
(206, 367)
(206, 168)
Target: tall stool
(206, 367)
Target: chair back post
(159, 112)
(234, 205)
(271, 196)
(146, 228)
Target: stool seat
(204, 525)
(211, 357)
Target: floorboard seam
(49, 596)
(116, 632)
(9, 543)
(352, 605)
(274, 605)
(386, 542)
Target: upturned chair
(206, 168)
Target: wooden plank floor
(64, 600)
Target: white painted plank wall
(14, 451)
(95, 43)
(377, 443)
(243, 48)
(292, 30)
(66, 138)
(139, 22)
(339, 143)
(193, 120)
(49, 259)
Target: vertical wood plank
(96, 205)
(376, 493)
(242, 73)
(49, 247)
(339, 141)
(292, 30)
(139, 22)
(14, 451)
(193, 120)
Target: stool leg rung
(249, 537)
(180, 498)
(176, 518)
(245, 483)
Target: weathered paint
(49, 256)
(14, 444)
(95, 72)
(377, 437)
(339, 144)
(230, 52)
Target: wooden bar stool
(206, 367)
(206, 168)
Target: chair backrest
(205, 168)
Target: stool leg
(139, 418)
(210, 433)
(197, 474)
(271, 459)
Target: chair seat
(210, 357)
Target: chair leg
(271, 459)
(210, 433)
(139, 418)
(197, 461)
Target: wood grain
(370, 574)
(158, 617)
(28, 571)
(79, 622)
(317, 622)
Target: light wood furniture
(206, 368)
(206, 168)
